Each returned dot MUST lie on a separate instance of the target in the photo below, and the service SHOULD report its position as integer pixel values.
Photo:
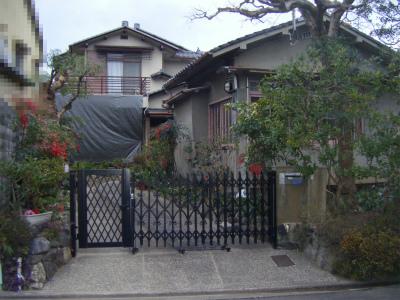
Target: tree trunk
(346, 161)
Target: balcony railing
(117, 85)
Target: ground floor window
(220, 119)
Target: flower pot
(38, 219)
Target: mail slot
(292, 178)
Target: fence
(119, 208)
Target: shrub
(15, 236)
(332, 231)
(366, 255)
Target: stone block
(34, 259)
(38, 276)
(39, 245)
(50, 268)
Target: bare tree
(383, 15)
(67, 76)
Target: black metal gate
(117, 209)
(103, 199)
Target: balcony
(117, 85)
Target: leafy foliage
(157, 159)
(209, 157)
(34, 176)
(15, 236)
(308, 115)
(369, 254)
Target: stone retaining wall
(45, 257)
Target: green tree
(310, 110)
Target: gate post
(72, 211)
(126, 209)
(272, 220)
(82, 209)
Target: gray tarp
(110, 126)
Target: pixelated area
(21, 51)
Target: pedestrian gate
(116, 208)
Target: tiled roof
(135, 30)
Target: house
(135, 62)
(21, 52)
(231, 73)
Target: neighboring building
(21, 47)
(133, 62)
(230, 73)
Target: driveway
(116, 272)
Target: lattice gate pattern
(101, 216)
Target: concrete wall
(303, 202)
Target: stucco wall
(200, 116)
(183, 116)
(172, 67)
(271, 53)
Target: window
(124, 72)
(219, 120)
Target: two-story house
(133, 62)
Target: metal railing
(117, 85)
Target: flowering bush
(157, 159)
(35, 174)
(41, 136)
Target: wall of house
(200, 116)
(172, 67)
(183, 115)
(270, 54)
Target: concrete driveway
(116, 272)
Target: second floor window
(220, 120)
(124, 73)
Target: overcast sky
(67, 21)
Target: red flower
(24, 120)
(58, 149)
(256, 169)
(31, 106)
(36, 211)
